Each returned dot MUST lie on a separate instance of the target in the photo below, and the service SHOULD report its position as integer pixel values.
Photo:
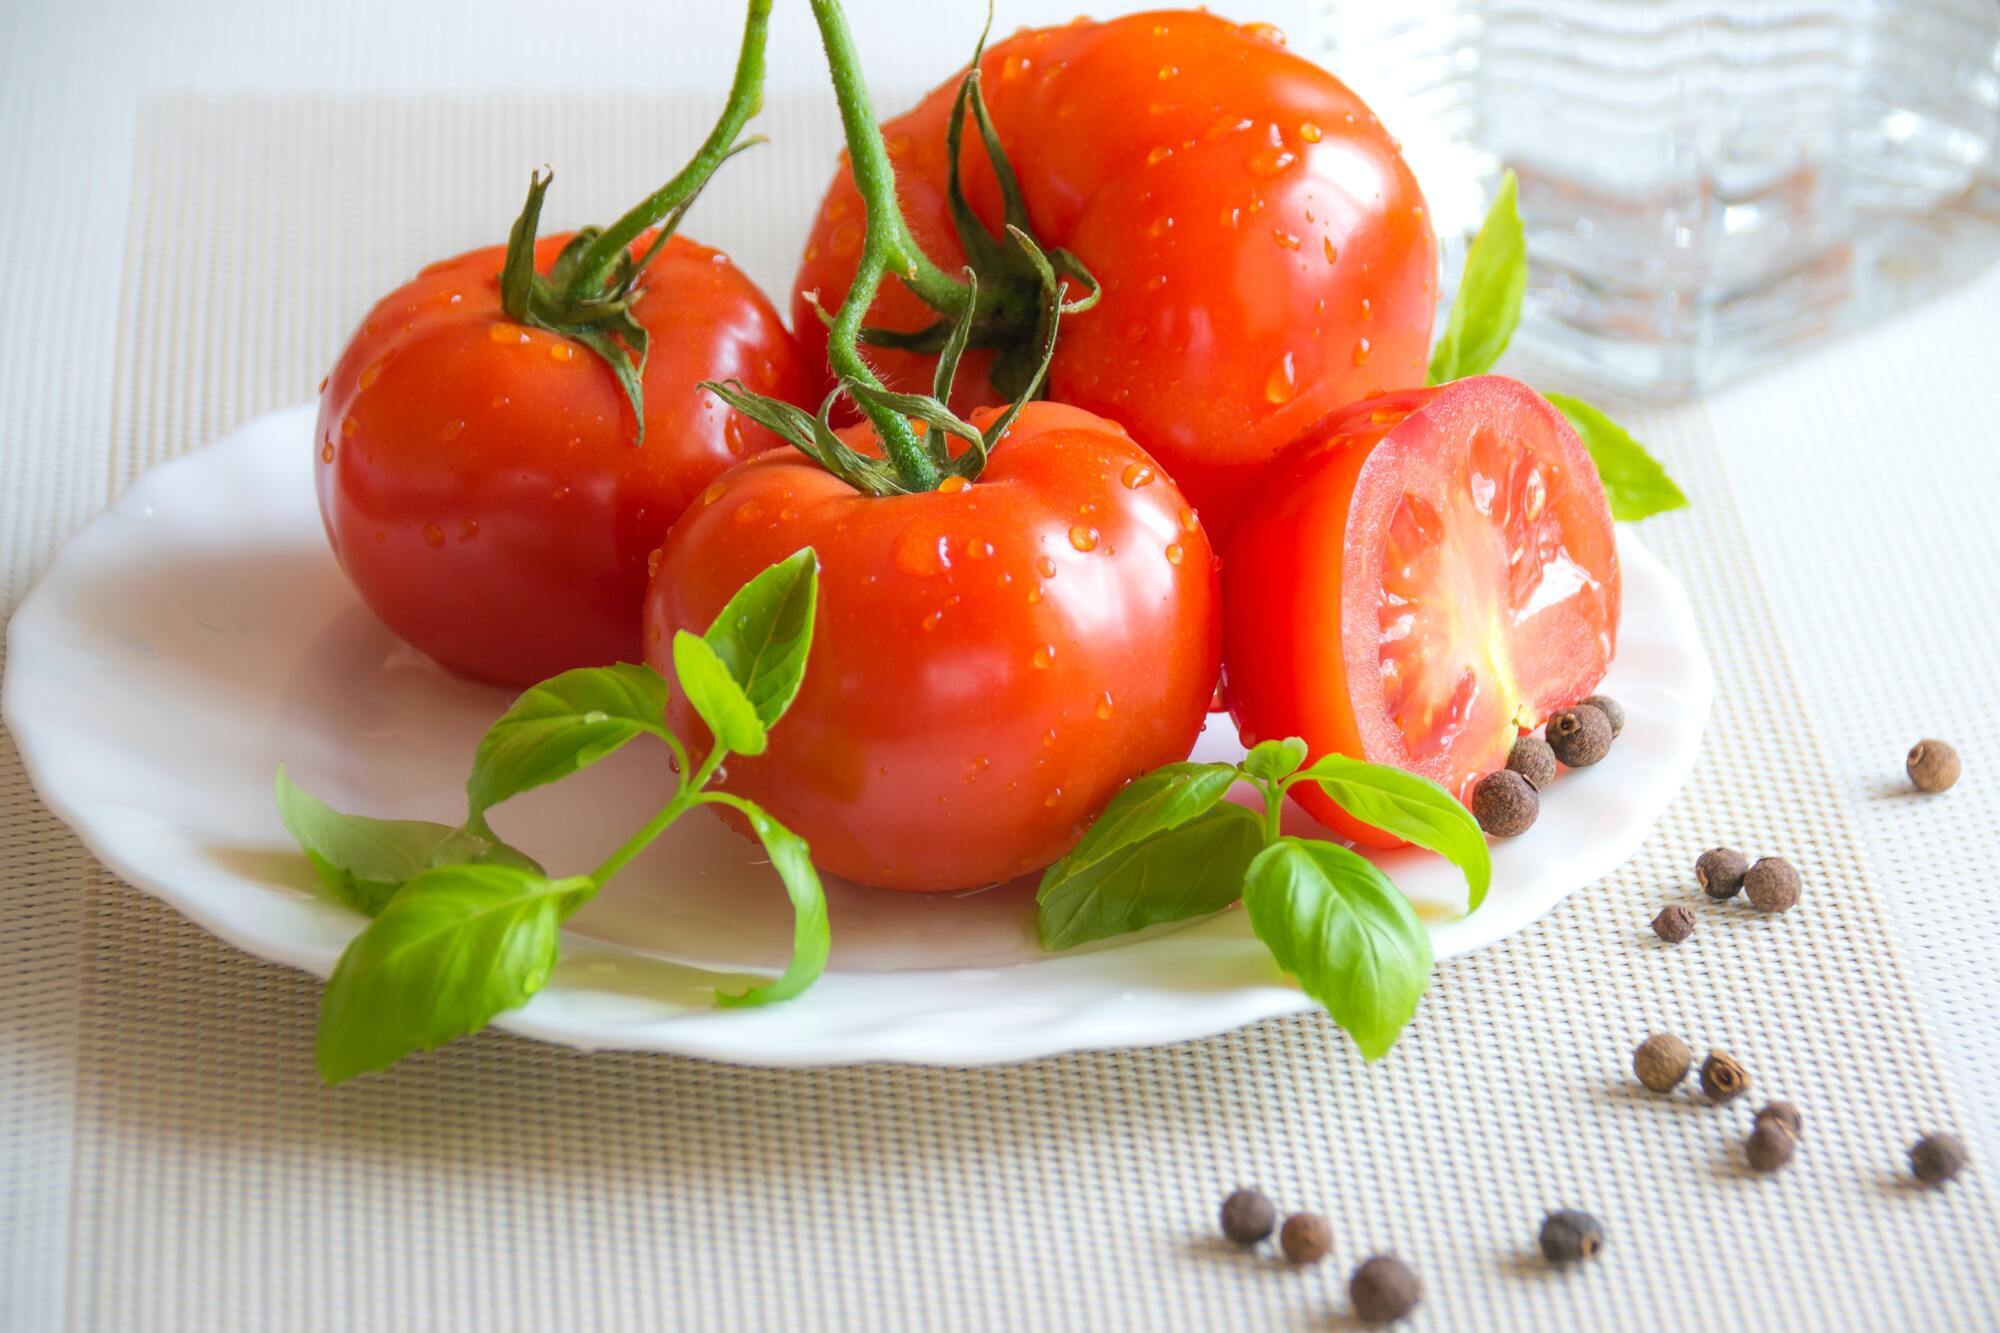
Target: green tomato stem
(889, 247)
(746, 96)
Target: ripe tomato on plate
(479, 478)
(991, 661)
(1430, 573)
(1264, 251)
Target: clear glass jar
(1706, 183)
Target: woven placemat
(157, 1088)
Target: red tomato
(1263, 248)
(479, 480)
(1429, 574)
(990, 663)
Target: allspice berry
(1248, 1216)
(1722, 1078)
(1936, 1158)
(1674, 923)
(1532, 758)
(1305, 1238)
(1384, 1289)
(1579, 736)
(1770, 1146)
(1662, 1061)
(1720, 871)
(1569, 1234)
(1772, 885)
(1932, 766)
(1785, 1116)
(1505, 804)
(1614, 712)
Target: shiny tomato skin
(1264, 250)
(989, 664)
(479, 480)
(1374, 604)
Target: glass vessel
(1706, 183)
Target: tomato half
(1263, 248)
(479, 480)
(990, 662)
(1430, 573)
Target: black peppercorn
(1614, 712)
(1720, 871)
(1305, 1238)
(1770, 1146)
(1932, 766)
(1784, 1115)
(1674, 923)
(1384, 1289)
(1505, 803)
(1662, 1061)
(1772, 885)
(1579, 736)
(1247, 1216)
(1569, 1234)
(1936, 1158)
(1722, 1078)
(1532, 758)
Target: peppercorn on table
(171, 1160)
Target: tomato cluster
(1202, 247)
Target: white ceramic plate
(198, 633)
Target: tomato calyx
(588, 293)
(1003, 299)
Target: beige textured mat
(164, 1082)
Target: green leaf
(1192, 869)
(1634, 482)
(1337, 924)
(1411, 807)
(1488, 304)
(363, 861)
(1162, 799)
(705, 678)
(565, 723)
(812, 938)
(456, 946)
(1274, 761)
(765, 633)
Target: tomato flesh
(990, 663)
(1432, 573)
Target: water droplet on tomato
(1310, 132)
(453, 429)
(1083, 537)
(1046, 567)
(921, 551)
(1159, 226)
(1045, 657)
(1282, 381)
(1230, 217)
(433, 535)
(1136, 475)
(1054, 797)
(1104, 706)
(1383, 416)
(715, 491)
(931, 620)
(1361, 350)
(562, 351)
(1049, 738)
(348, 426)
(1013, 67)
(1270, 161)
(1158, 155)
(653, 561)
(326, 450)
(1174, 553)
(324, 380)
(1156, 282)
(749, 512)
(1367, 309)
(1189, 519)
(1169, 71)
(1264, 32)
(1286, 240)
(846, 239)
(501, 331)
(979, 550)
(951, 485)
(1035, 595)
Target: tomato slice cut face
(1435, 573)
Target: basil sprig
(1169, 847)
(1481, 323)
(466, 927)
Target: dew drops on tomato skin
(369, 375)
(1281, 383)
(503, 332)
(326, 450)
(979, 549)
(1170, 71)
(324, 380)
(653, 561)
(951, 485)
(1268, 162)
(1083, 537)
(1136, 475)
(1156, 283)
(1175, 553)
(468, 528)
(1310, 132)
(1045, 566)
(1104, 707)
(921, 552)
(453, 429)
(933, 620)
(1189, 519)
(1264, 32)
(562, 351)
(715, 491)
(1035, 595)
(1045, 657)
(433, 536)
(749, 512)
(1159, 155)
(1361, 350)
(1329, 249)
(348, 427)
(1286, 240)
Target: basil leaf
(1189, 870)
(1162, 799)
(1634, 482)
(456, 946)
(1488, 304)
(1413, 808)
(1274, 761)
(765, 633)
(363, 861)
(1336, 923)
(565, 723)
(715, 694)
(812, 938)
